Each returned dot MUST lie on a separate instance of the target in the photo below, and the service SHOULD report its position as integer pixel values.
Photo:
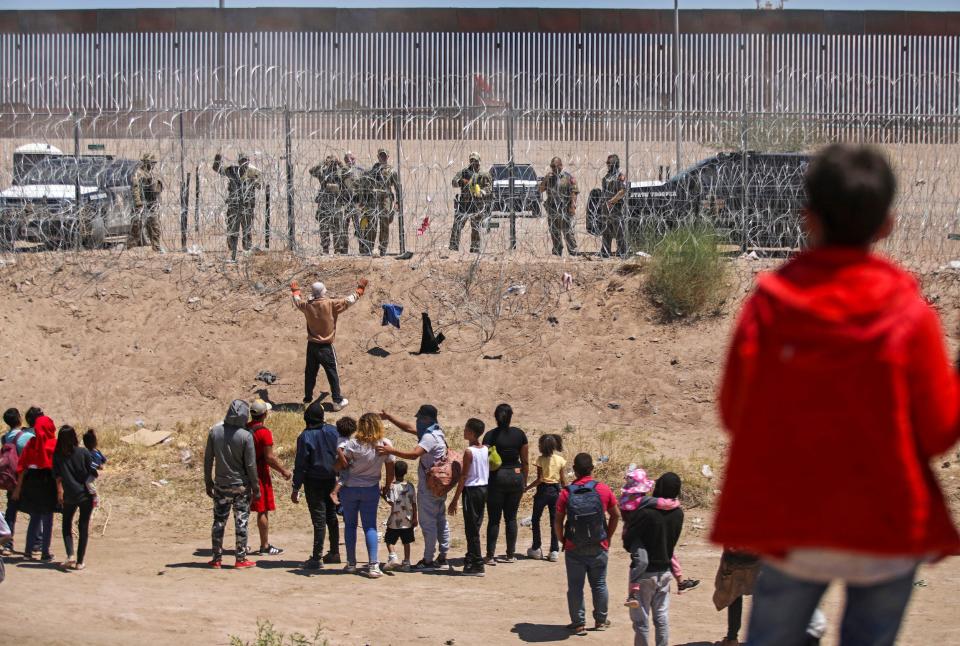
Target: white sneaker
(535, 554)
(350, 568)
(554, 557)
(393, 563)
(373, 571)
(340, 405)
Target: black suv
(526, 199)
(762, 212)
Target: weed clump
(687, 272)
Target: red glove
(295, 288)
(361, 286)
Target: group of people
(369, 200)
(47, 471)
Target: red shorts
(265, 502)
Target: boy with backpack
(587, 516)
(838, 383)
(11, 446)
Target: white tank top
(479, 473)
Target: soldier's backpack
(9, 459)
(586, 526)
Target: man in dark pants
(321, 313)
(313, 471)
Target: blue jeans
(545, 498)
(432, 514)
(783, 606)
(360, 501)
(39, 533)
(594, 569)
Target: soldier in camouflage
(613, 189)
(329, 210)
(561, 190)
(350, 200)
(145, 187)
(383, 197)
(474, 185)
(243, 183)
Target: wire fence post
(511, 170)
(291, 220)
(196, 202)
(266, 216)
(184, 189)
(627, 216)
(76, 156)
(745, 169)
(397, 125)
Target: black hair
(258, 418)
(11, 417)
(583, 465)
(313, 415)
(400, 469)
(66, 441)
(90, 439)
(476, 426)
(850, 189)
(346, 426)
(559, 440)
(503, 415)
(668, 486)
(32, 414)
(547, 445)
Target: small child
(97, 459)
(550, 479)
(634, 496)
(474, 478)
(346, 427)
(402, 497)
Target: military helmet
(474, 156)
(148, 158)
(382, 151)
(243, 156)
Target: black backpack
(586, 526)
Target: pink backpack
(8, 464)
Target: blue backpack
(586, 525)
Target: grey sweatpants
(654, 598)
(432, 514)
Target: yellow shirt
(551, 468)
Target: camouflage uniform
(611, 218)
(146, 188)
(384, 187)
(560, 191)
(329, 211)
(244, 181)
(350, 201)
(474, 188)
(223, 501)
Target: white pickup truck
(67, 202)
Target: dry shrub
(687, 273)
(267, 635)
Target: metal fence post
(511, 169)
(291, 222)
(397, 125)
(184, 189)
(76, 156)
(266, 216)
(196, 202)
(626, 215)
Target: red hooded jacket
(837, 394)
(38, 453)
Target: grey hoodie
(229, 461)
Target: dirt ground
(110, 339)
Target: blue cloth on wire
(391, 314)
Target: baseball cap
(259, 407)
(428, 411)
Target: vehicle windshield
(521, 171)
(93, 171)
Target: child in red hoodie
(837, 382)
